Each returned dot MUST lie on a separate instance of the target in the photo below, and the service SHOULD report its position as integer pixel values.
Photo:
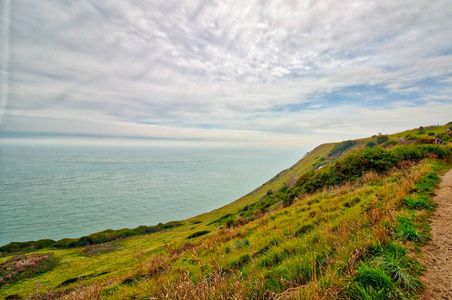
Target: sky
(253, 73)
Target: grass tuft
(406, 230)
(418, 203)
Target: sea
(68, 191)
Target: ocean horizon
(68, 191)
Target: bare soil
(437, 255)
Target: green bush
(198, 233)
(353, 165)
(341, 147)
(381, 139)
(359, 162)
(26, 246)
(92, 239)
(418, 152)
(371, 144)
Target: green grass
(420, 202)
(350, 239)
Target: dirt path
(438, 253)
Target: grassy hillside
(340, 223)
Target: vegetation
(349, 230)
(381, 139)
(389, 144)
(341, 148)
(425, 140)
(350, 167)
(21, 267)
(198, 233)
(371, 144)
(92, 239)
(421, 130)
(445, 137)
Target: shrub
(389, 143)
(425, 140)
(26, 246)
(92, 239)
(341, 147)
(198, 233)
(371, 144)
(356, 164)
(382, 138)
(417, 152)
(431, 134)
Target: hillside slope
(329, 233)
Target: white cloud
(238, 68)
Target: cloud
(217, 70)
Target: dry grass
(215, 285)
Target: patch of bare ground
(437, 255)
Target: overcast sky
(285, 73)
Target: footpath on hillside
(438, 253)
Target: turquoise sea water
(70, 191)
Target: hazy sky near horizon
(286, 73)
